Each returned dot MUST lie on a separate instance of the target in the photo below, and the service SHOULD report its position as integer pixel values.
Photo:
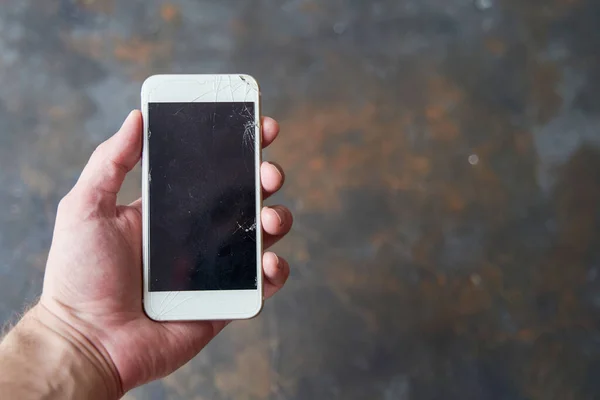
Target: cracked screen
(202, 196)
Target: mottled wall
(442, 159)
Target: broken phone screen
(202, 196)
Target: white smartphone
(201, 194)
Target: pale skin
(88, 337)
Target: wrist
(59, 361)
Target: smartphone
(201, 195)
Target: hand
(92, 291)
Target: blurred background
(443, 164)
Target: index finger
(270, 130)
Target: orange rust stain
(348, 279)
(321, 200)
(139, 51)
(495, 46)
(384, 156)
(91, 46)
(186, 381)
(443, 96)
(381, 158)
(443, 91)
(397, 183)
(441, 279)
(492, 276)
(346, 156)
(526, 335)
(379, 239)
(444, 130)
(392, 163)
(386, 147)
(310, 7)
(251, 377)
(455, 202)
(57, 112)
(419, 164)
(141, 54)
(169, 12)
(302, 255)
(308, 132)
(344, 282)
(471, 300)
(434, 112)
(317, 164)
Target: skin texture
(91, 308)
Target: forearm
(41, 358)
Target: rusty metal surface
(443, 162)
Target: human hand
(92, 291)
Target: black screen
(202, 196)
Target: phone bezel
(210, 304)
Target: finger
(137, 205)
(197, 332)
(276, 220)
(104, 173)
(271, 177)
(270, 130)
(276, 223)
(132, 213)
(183, 340)
(276, 271)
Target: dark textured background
(443, 163)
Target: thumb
(105, 172)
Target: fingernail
(276, 168)
(278, 216)
(126, 120)
(278, 264)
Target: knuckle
(98, 154)
(116, 169)
(64, 204)
(88, 199)
(133, 218)
(102, 161)
(79, 203)
(100, 149)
